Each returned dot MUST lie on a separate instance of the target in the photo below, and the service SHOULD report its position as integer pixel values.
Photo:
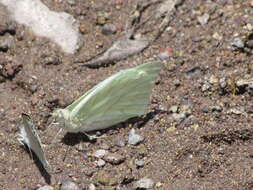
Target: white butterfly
(122, 96)
(29, 136)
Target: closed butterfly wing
(122, 96)
(29, 136)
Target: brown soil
(211, 148)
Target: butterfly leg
(91, 137)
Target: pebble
(46, 187)
(217, 36)
(237, 43)
(206, 86)
(69, 185)
(101, 163)
(71, 2)
(107, 178)
(236, 111)
(203, 19)
(109, 29)
(134, 138)
(244, 82)
(139, 163)
(216, 108)
(173, 109)
(7, 26)
(179, 116)
(144, 183)
(6, 43)
(114, 158)
(186, 110)
(249, 44)
(120, 142)
(165, 54)
(213, 79)
(100, 153)
(92, 187)
(223, 82)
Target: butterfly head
(62, 116)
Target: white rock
(69, 185)
(100, 153)
(144, 183)
(59, 27)
(46, 187)
(134, 138)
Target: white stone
(59, 27)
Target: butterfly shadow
(38, 164)
(72, 139)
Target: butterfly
(29, 136)
(122, 96)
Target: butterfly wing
(122, 96)
(29, 136)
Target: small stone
(92, 187)
(236, 111)
(139, 163)
(173, 109)
(104, 146)
(109, 29)
(244, 82)
(6, 43)
(249, 44)
(205, 87)
(165, 54)
(216, 108)
(237, 43)
(82, 29)
(101, 163)
(144, 183)
(203, 19)
(89, 171)
(186, 110)
(223, 82)
(158, 185)
(71, 2)
(163, 107)
(249, 26)
(107, 178)
(179, 116)
(177, 83)
(213, 79)
(114, 158)
(46, 187)
(69, 185)
(120, 142)
(51, 60)
(100, 153)
(134, 138)
(217, 36)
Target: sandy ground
(199, 132)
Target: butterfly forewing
(29, 136)
(118, 98)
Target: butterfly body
(122, 96)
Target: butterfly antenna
(66, 153)
(57, 134)
(51, 124)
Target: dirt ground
(199, 133)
